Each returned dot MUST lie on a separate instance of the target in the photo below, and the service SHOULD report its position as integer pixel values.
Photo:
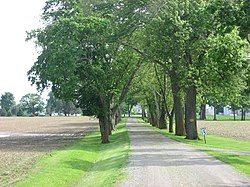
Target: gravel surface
(239, 130)
(24, 140)
(157, 161)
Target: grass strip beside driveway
(87, 162)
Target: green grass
(86, 162)
(224, 118)
(240, 162)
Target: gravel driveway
(157, 161)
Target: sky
(17, 55)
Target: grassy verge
(86, 162)
(240, 162)
(225, 118)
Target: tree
(199, 48)
(7, 103)
(82, 60)
(32, 104)
(52, 104)
(55, 105)
(91, 52)
(131, 102)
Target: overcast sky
(16, 55)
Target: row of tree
(199, 51)
(172, 52)
(33, 105)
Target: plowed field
(24, 140)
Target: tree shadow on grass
(79, 164)
(101, 165)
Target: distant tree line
(32, 104)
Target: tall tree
(82, 61)
(32, 104)
(7, 103)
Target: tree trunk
(242, 114)
(104, 129)
(203, 112)
(110, 124)
(162, 120)
(156, 111)
(178, 107)
(119, 115)
(190, 117)
(153, 119)
(171, 120)
(234, 114)
(143, 113)
(116, 118)
(215, 111)
(129, 111)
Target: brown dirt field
(234, 129)
(24, 140)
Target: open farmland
(234, 129)
(24, 140)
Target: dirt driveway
(24, 140)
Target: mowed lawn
(24, 140)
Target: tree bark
(178, 106)
(116, 118)
(242, 114)
(119, 115)
(190, 117)
(103, 123)
(153, 118)
(162, 120)
(171, 120)
(129, 110)
(203, 112)
(215, 111)
(110, 124)
(143, 113)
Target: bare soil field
(25, 139)
(234, 129)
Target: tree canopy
(93, 52)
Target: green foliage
(240, 162)
(79, 57)
(3, 112)
(32, 104)
(7, 103)
(55, 105)
(90, 51)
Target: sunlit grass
(86, 162)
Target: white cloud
(16, 55)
